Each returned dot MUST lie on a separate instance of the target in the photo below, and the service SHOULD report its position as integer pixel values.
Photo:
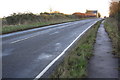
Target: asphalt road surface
(25, 54)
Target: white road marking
(52, 62)
(23, 39)
(54, 33)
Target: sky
(8, 7)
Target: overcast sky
(8, 7)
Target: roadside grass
(74, 64)
(112, 29)
(15, 28)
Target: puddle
(44, 56)
(7, 52)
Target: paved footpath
(103, 64)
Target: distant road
(26, 54)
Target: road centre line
(23, 39)
(35, 35)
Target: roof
(91, 11)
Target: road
(26, 54)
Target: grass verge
(75, 63)
(15, 28)
(112, 28)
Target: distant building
(94, 12)
(83, 15)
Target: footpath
(103, 64)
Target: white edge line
(51, 63)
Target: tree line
(114, 9)
(115, 13)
